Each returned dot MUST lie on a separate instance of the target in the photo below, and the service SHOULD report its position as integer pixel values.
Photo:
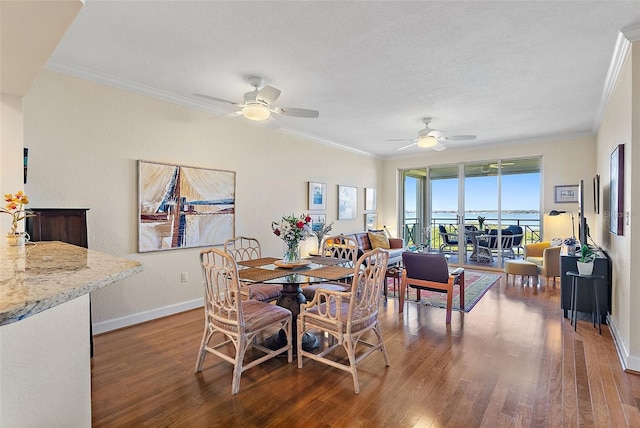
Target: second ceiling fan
(432, 138)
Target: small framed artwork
(566, 193)
(371, 221)
(596, 194)
(616, 191)
(317, 196)
(369, 199)
(347, 202)
(317, 221)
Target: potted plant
(481, 223)
(585, 262)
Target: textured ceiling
(508, 72)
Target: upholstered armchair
(424, 271)
(546, 257)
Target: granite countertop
(41, 275)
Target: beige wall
(85, 138)
(558, 160)
(620, 125)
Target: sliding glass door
(446, 204)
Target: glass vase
(291, 252)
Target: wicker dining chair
(238, 320)
(346, 316)
(242, 249)
(342, 247)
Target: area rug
(476, 285)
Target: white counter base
(45, 369)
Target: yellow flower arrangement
(14, 206)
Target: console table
(602, 266)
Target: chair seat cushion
(264, 292)
(362, 320)
(310, 291)
(536, 260)
(257, 315)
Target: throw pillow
(379, 240)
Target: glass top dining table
(315, 269)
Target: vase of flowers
(292, 230)
(14, 206)
(321, 230)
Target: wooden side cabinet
(59, 224)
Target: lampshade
(427, 141)
(256, 111)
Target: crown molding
(104, 79)
(626, 36)
(148, 91)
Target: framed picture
(567, 193)
(369, 199)
(596, 194)
(371, 221)
(616, 191)
(184, 207)
(317, 196)
(317, 221)
(347, 202)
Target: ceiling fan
(432, 138)
(257, 104)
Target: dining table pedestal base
(291, 298)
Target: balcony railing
(430, 238)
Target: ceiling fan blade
(435, 133)
(407, 146)
(220, 100)
(268, 94)
(439, 147)
(271, 123)
(460, 137)
(402, 139)
(298, 112)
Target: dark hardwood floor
(512, 361)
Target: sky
(519, 192)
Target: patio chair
(449, 240)
(516, 244)
(346, 316)
(424, 271)
(242, 249)
(238, 320)
(488, 244)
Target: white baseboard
(629, 362)
(116, 323)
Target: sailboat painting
(184, 207)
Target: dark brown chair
(424, 271)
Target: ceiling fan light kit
(427, 141)
(429, 138)
(256, 111)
